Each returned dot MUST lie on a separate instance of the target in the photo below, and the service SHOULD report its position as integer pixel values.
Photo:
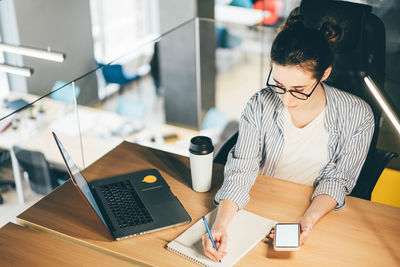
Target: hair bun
(332, 31)
(294, 20)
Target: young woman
(299, 129)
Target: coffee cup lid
(201, 145)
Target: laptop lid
(78, 179)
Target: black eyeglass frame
(271, 87)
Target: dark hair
(310, 48)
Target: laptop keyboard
(125, 204)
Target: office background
(152, 72)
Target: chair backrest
(65, 94)
(221, 155)
(37, 167)
(360, 52)
(116, 74)
(373, 167)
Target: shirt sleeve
(340, 176)
(242, 167)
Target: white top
(305, 150)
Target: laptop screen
(78, 178)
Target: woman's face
(293, 78)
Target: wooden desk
(364, 233)
(21, 246)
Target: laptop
(131, 204)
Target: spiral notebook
(245, 231)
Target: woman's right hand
(221, 241)
(226, 211)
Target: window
(118, 25)
(4, 88)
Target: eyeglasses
(281, 90)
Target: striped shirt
(350, 124)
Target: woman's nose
(287, 99)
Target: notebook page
(245, 231)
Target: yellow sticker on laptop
(149, 179)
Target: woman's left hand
(306, 223)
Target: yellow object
(387, 189)
(149, 179)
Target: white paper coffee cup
(201, 162)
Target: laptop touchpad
(157, 195)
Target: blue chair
(65, 94)
(214, 119)
(225, 39)
(116, 74)
(131, 108)
(242, 3)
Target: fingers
(304, 234)
(307, 224)
(208, 248)
(272, 234)
(223, 243)
(306, 227)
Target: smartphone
(287, 237)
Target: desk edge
(82, 243)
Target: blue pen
(209, 234)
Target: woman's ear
(326, 74)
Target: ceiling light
(27, 72)
(33, 52)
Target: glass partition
(174, 87)
(135, 91)
(188, 76)
(28, 148)
(191, 79)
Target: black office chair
(373, 167)
(155, 68)
(221, 154)
(360, 52)
(42, 178)
(4, 184)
